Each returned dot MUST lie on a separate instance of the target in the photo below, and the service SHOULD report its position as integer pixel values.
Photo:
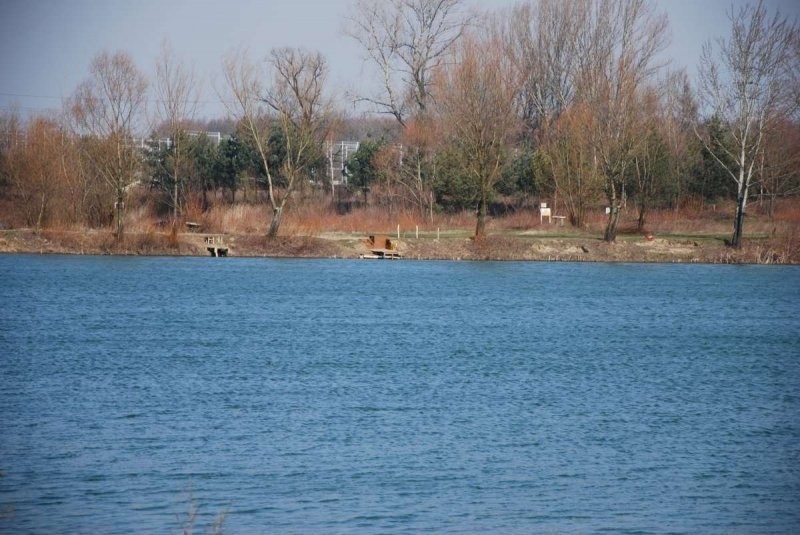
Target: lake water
(315, 396)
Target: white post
(417, 231)
(398, 231)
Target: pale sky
(46, 45)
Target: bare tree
(749, 81)
(36, 171)
(571, 161)
(595, 56)
(794, 67)
(244, 88)
(542, 40)
(40, 165)
(679, 120)
(295, 99)
(651, 154)
(406, 40)
(779, 165)
(176, 103)
(412, 164)
(105, 109)
(619, 43)
(11, 135)
(476, 97)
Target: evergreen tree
(361, 169)
(710, 181)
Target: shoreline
(519, 246)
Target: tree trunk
(119, 208)
(642, 211)
(277, 213)
(419, 186)
(771, 206)
(480, 227)
(42, 208)
(610, 234)
(575, 210)
(175, 201)
(738, 221)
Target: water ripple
(330, 397)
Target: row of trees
(567, 98)
(563, 100)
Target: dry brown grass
(315, 216)
(286, 246)
(767, 240)
(709, 219)
(236, 219)
(141, 219)
(788, 210)
(104, 242)
(320, 216)
(519, 220)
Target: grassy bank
(505, 246)
(317, 231)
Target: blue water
(313, 396)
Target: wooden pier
(215, 245)
(382, 254)
(381, 247)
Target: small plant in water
(188, 520)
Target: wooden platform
(217, 251)
(380, 248)
(382, 254)
(215, 246)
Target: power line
(149, 101)
(22, 95)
